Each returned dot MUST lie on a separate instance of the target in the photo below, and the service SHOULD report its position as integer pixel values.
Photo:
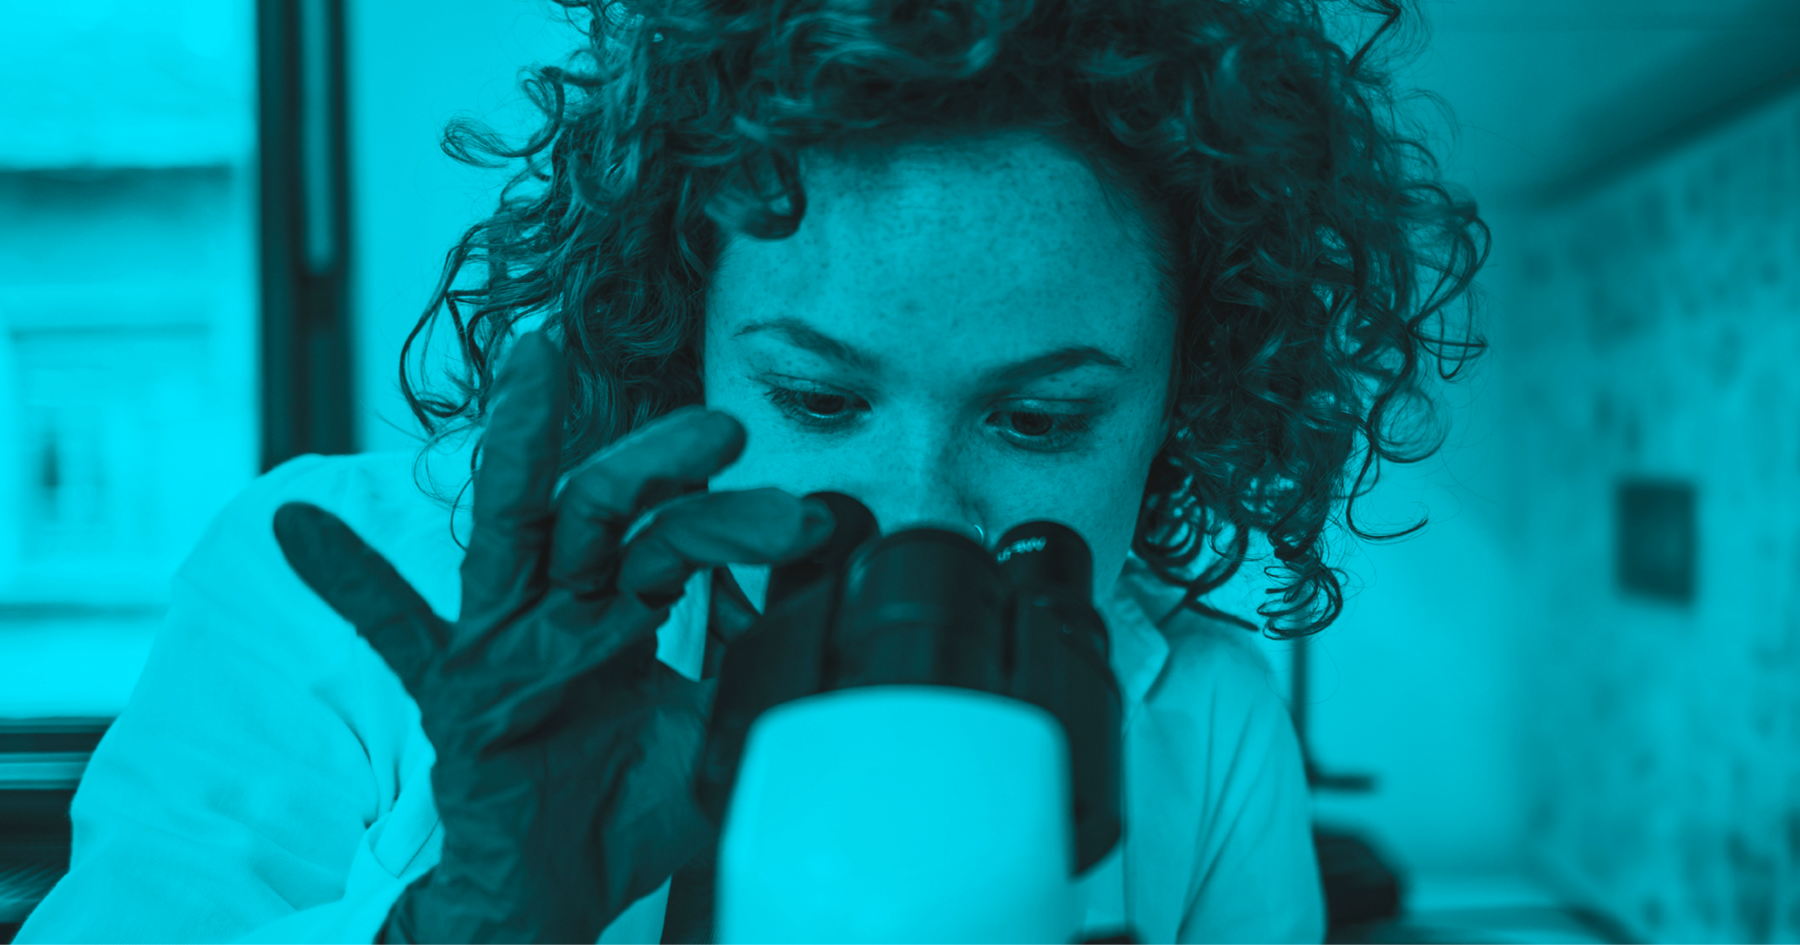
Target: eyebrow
(1058, 361)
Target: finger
(358, 583)
(521, 451)
(730, 614)
(676, 454)
(758, 526)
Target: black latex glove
(565, 750)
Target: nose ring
(983, 534)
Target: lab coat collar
(1138, 649)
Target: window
(128, 326)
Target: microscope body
(918, 741)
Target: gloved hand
(565, 750)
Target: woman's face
(956, 340)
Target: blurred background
(1566, 710)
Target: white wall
(413, 65)
(1662, 313)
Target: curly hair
(1298, 227)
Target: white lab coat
(269, 780)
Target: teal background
(1539, 739)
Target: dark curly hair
(1298, 227)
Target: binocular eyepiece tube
(927, 683)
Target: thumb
(730, 615)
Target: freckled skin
(945, 262)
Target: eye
(829, 411)
(804, 406)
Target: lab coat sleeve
(1236, 792)
(268, 778)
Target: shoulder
(1217, 684)
(1213, 665)
(397, 502)
(1227, 654)
(380, 488)
(1221, 802)
(1217, 702)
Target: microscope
(918, 741)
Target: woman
(1147, 267)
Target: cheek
(723, 391)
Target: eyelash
(1067, 428)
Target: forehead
(1009, 243)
